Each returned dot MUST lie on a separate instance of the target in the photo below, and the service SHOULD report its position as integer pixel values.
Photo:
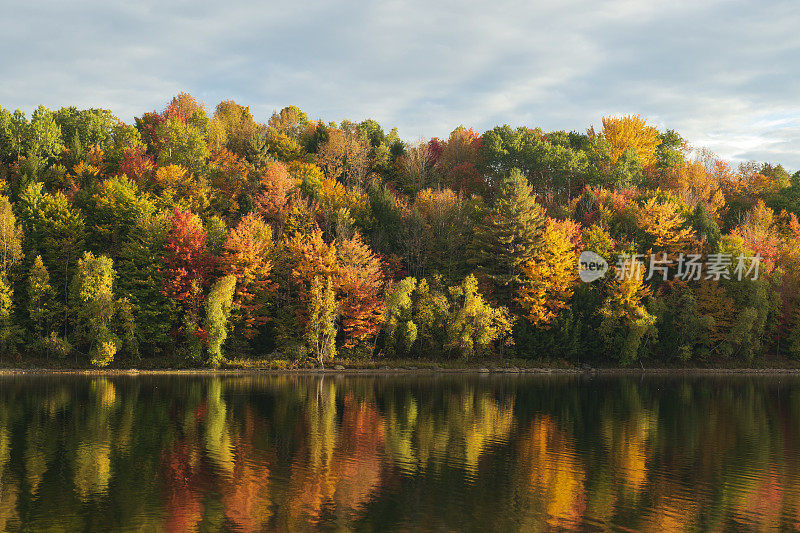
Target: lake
(433, 452)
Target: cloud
(723, 73)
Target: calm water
(437, 453)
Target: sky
(722, 73)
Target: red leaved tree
(137, 165)
(360, 286)
(186, 261)
(275, 191)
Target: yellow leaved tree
(631, 132)
(549, 278)
(665, 227)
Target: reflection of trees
(553, 475)
(362, 446)
(9, 488)
(337, 470)
(312, 482)
(184, 484)
(456, 431)
(260, 453)
(246, 496)
(217, 439)
(92, 457)
(627, 440)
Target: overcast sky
(723, 73)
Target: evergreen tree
(56, 231)
(112, 208)
(706, 228)
(141, 281)
(510, 236)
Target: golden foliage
(555, 476)
(549, 278)
(693, 185)
(666, 226)
(631, 132)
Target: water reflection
(288, 453)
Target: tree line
(200, 237)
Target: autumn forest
(199, 236)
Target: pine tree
(141, 281)
(510, 236)
(705, 228)
(56, 231)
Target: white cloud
(722, 73)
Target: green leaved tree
(510, 235)
(94, 304)
(218, 310)
(321, 326)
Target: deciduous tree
(360, 286)
(40, 295)
(274, 191)
(320, 329)
(549, 277)
(10, 238)
(631, 132)
(474, 324)
(625, 321)
(247, 256)
(344, 157)
(218, 309)
(185, 272)
(93, 297)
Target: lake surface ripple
(399, 453)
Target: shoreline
(403, 371)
